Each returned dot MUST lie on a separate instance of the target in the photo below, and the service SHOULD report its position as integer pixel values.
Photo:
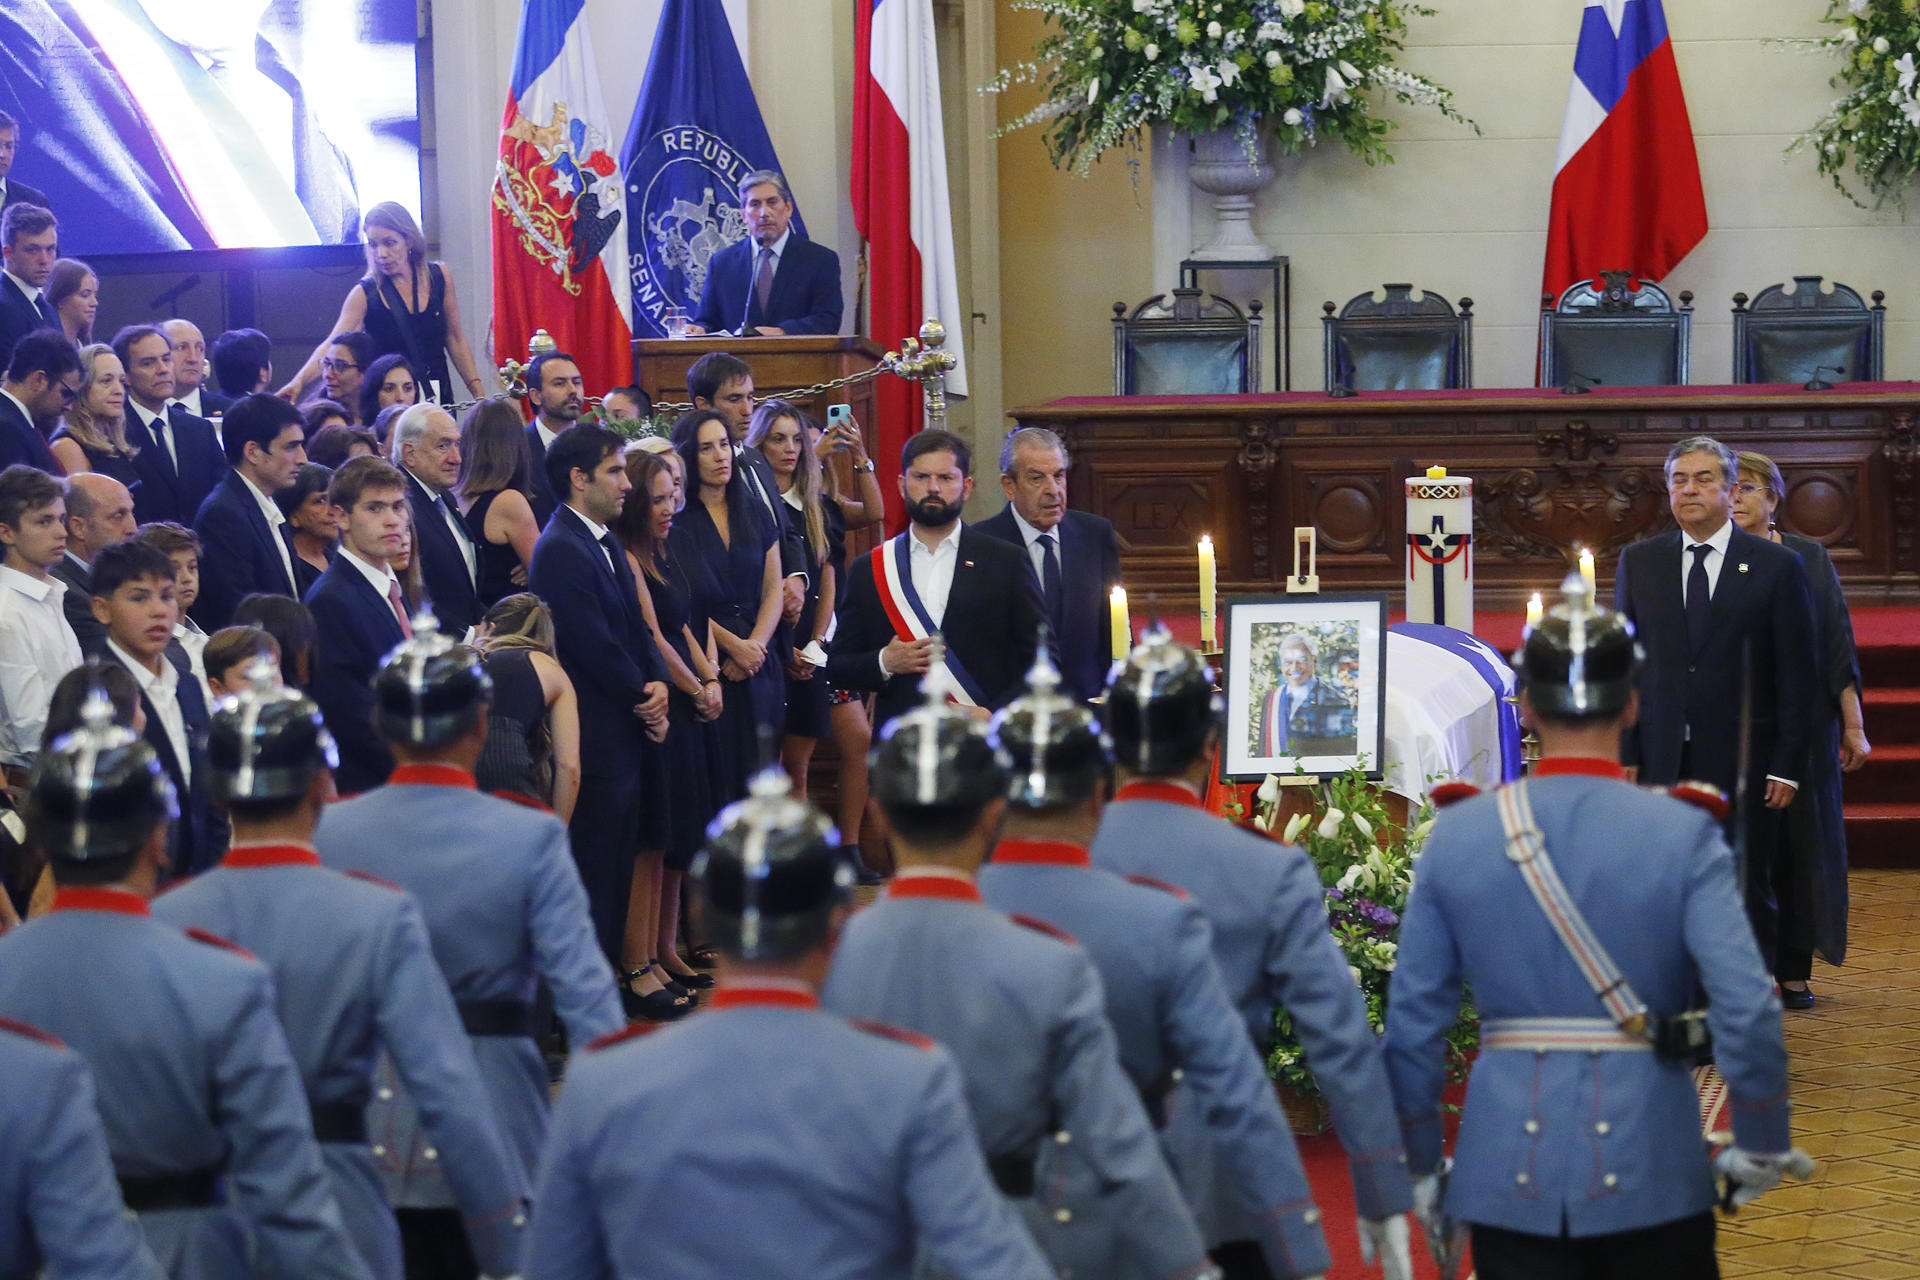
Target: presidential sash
(893, 576)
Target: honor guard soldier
(797, 1143)
(1168, 1007)
(353, 972)
(504, 909)
(1580, 1151)
(60, 1208)
(1017, 1003)
(1271, 939)
(199, 1096)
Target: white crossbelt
(1554, 1035)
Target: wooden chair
(1198, 344)
(1399, 343)
(1805, 335)
(1617, 331)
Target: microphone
(1579, 384)
(1818, 383)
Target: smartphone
(840, 424)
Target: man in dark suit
(1726, 620)
(605, 646)
(29, 246)
(42, 379)
(977, 591)
(426, 445)
(180, 459)
(13, 191)
(774, 281)
(242, 363)
(191, 390)
(724, 383)
(99, 514)
(360, 614)
(1075, 555)
(558, 395)
(1303, 715)
(240, 525)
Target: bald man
(191, 390)
(99, 514)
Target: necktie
(1050, 579)
(1698, 598)
(158, 430)
(399, 607)
(460, 536)
(48, 316)
(763, 281)
(614, 552)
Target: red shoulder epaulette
(1041, 926)
(633, 1032)
(371, 878)
(31, 1033)
(891, 1032)
(1161, 885)
(525, 801)
(1703, 795)
(1452, 793)
(215, 940)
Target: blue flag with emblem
(696, 132)
(1493, 669)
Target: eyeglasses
(1747, 490)
(68, 392)
(338, 366)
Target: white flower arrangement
(1873, 128)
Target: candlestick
(1536, 610)
(1122, 625)
(1586, 570)
(1209, 586)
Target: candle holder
(513, 373)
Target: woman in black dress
(726, 542)
(496, 473)
(310, 516)
(406, 304)
(533, 725)
(390, 380)
(93, 431)
(1810, 878)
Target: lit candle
(1122, 625)
(1436, 473)
(1586, 570)
(1536, 610)
(1209, 585)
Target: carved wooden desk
(1549, 471)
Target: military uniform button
(386, 1095)
(379, 1150)
(1533, 1126)
(1063, 1137)
(431, 1154)
(519, 1219)
(1603, 1128)
(1179, 1074)
(1063, 1216)
(1611, 1180)
(1310, 1217)
(1522, 1179)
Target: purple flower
(1380, 915)
(1335, 895)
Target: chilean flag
(558, 247)
(1626, 190)
(901, 208)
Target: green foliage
(1304, 70)
(1873, 129)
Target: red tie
(399, 607)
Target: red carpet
(1326, 1166)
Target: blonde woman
(406, 304)
(93, 431)
(533, 727)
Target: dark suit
(19, 192)
(606, 648)
(1089, 552)
(19, 316)
(805, 297)
(242, 553)
(212, 403)
(357, 630)
(540, 492)
(443, 566)
(1324, 723)
(77, 603)
(991, 624)
(198, 839)
(21, 441)
(1690, 697)
(167, 492)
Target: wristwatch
(860, 470)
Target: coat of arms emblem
(561, 187)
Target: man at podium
(773, 282)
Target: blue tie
(1698, 597)
(1050, 580)
(49, 318)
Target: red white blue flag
(558, 247)
(1626, 190)
(901, 206)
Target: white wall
(1459, 214)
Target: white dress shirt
(158, 425)
(546, 437)
(32, 291)
(382, 577)
(190, 402)
(37, 647)
(1036, 552)
(599, 532)
(21, 405)
(163, 693)
(778, 249)
(460, 538)
(275, 518)
(194, 641)
(931, 572)
(1715, 558)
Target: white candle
(1586, 570)
(1209, 586)
(1536, 610)
(1122, 625)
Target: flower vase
(1220, 168)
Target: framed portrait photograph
(1306, 684)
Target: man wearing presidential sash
(976, 594)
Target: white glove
(1446, 1238)
(1745, 1174)
(1390, 1240)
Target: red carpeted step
(1892, 715)
(1883, 835)
(1891, 774)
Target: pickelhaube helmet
(935, 757)
(266, 742)
(97, 792)
(1579, 660)
(771, 873)
(1051, 747)
(1160, 706)
(429, 689)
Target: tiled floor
(1856, 1109)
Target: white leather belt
(1551, 1035)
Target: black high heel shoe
(695, 981)
(702, 957)
(655, 1006)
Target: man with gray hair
(426, 446)
(1726, 621)
(1075, 555)
(775, 281)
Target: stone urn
(1220, 168)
